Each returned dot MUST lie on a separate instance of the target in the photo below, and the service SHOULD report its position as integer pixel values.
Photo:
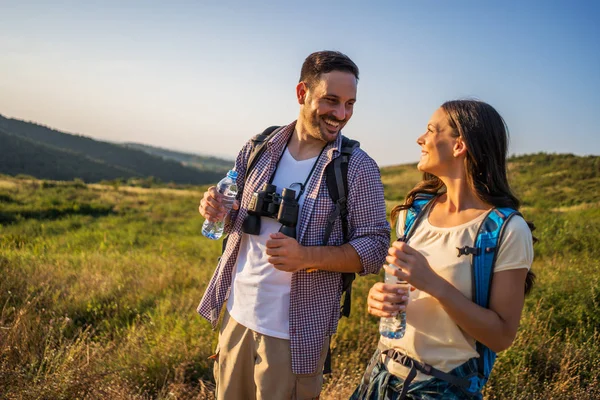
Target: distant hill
(540, 180)
(32, 149)
(203, 163)
(24, 156)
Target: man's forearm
(342, 258)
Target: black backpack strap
(337, 182)
(258, 147)
(336, 174)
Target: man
(283, 294)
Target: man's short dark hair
(322, 62)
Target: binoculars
(267, 203)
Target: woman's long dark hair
(484, 132)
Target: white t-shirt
(260, 294)
(431, 335)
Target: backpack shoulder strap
(487, 243)
(336, 174)
(258, 147)
(421, 203)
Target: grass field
(99, 284)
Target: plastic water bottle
(228, 188)
(394, 327)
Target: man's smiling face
(329, 104)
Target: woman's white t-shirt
(431, 335)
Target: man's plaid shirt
(315, 297)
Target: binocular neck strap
(302, 185)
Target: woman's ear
(460, 148)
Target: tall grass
(99, 284)
(102, 306)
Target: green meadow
(99, 284)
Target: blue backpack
(484, 255)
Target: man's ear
(301, 90)
(460, 148)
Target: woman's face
(437, 145)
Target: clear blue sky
(204, 76)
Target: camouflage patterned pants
(381, 385)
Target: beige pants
(252, 366)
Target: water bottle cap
(232, 174)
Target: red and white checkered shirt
(315, 297)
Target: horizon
(232, 160)
(176, 76)
(108, 141)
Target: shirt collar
(332, 149)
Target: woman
(450, 341)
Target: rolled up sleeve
(368, 226)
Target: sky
(205, 76)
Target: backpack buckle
(465, 251)
(427, 369)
